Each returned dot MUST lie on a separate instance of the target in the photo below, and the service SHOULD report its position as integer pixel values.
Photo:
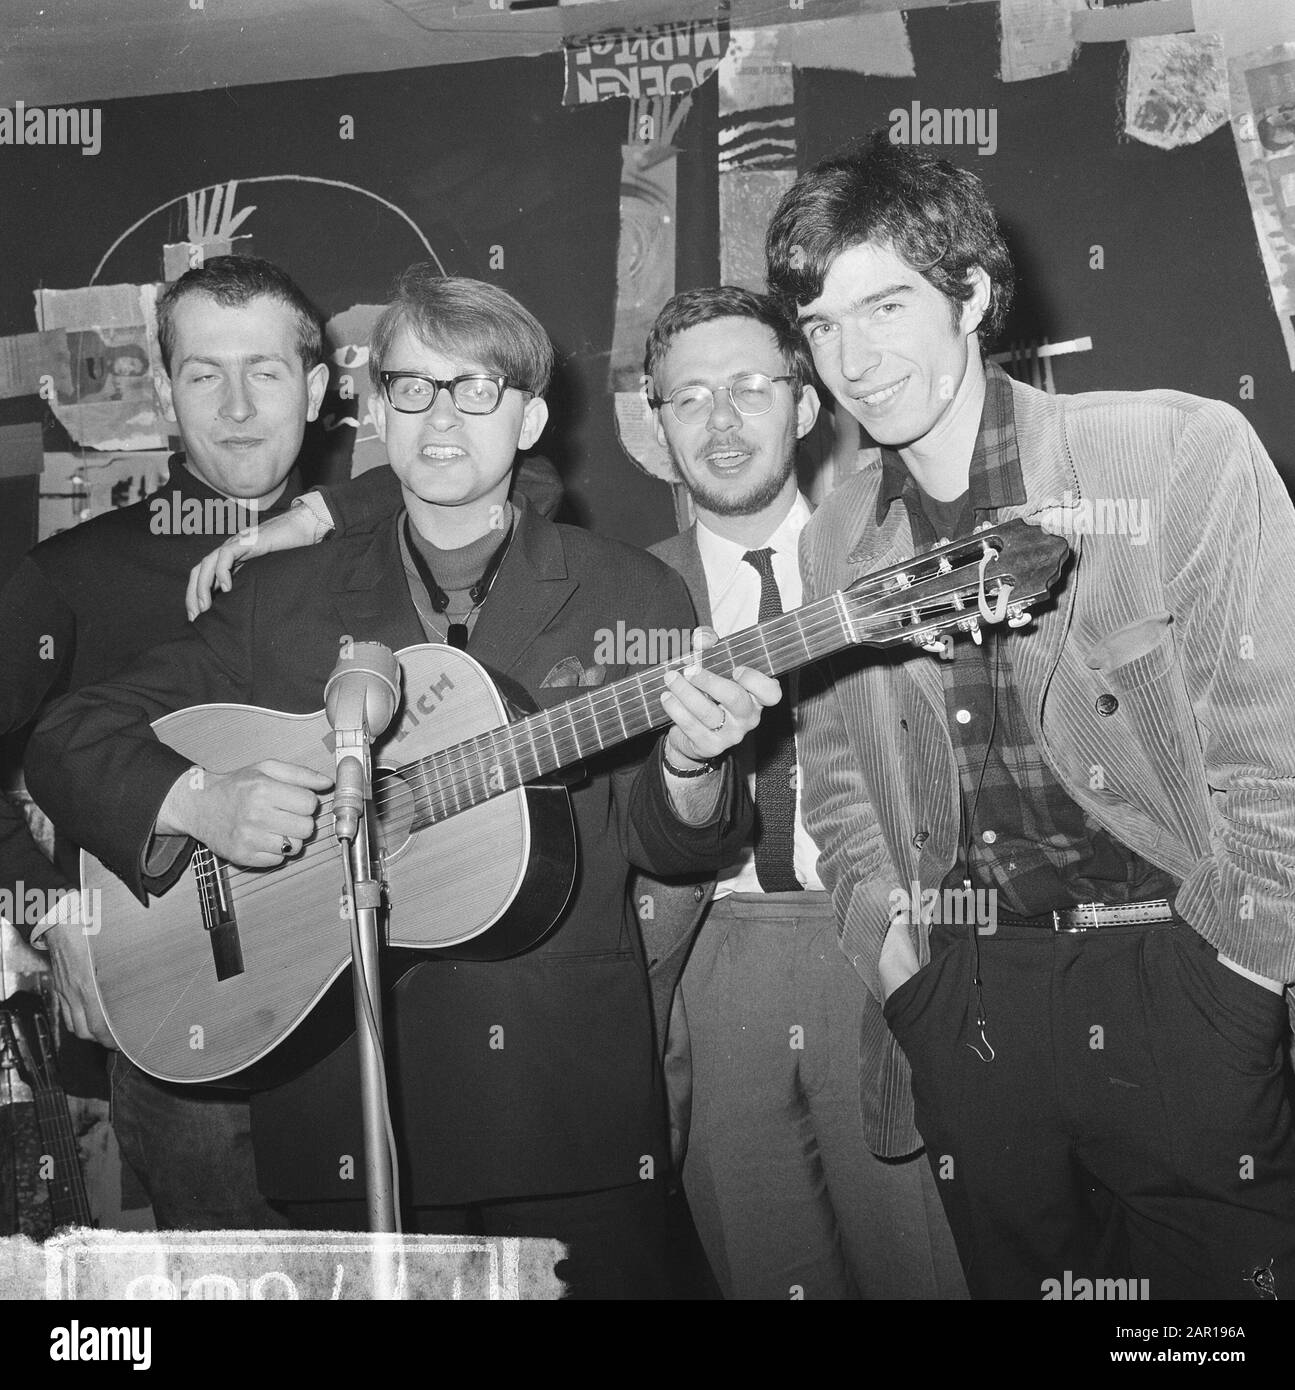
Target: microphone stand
(366, 898)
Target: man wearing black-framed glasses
(764, 1035)
(524, 1090)
(474, 393)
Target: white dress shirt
(734, 589)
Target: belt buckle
(1078, 907)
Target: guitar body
(484, 884)
(475, 852)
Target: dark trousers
(615, 1239)
(1133, 1123)
(191, 1150)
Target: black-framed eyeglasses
(751, 393)
(474, 393)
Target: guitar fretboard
(69, 1205)
(465, 774)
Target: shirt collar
(722, 558)
(995, 478)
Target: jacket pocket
(1136, 654)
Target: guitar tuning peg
(1019, 616)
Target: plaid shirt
(1020, 832)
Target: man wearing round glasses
(786, 1196)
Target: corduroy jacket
(1159, 685)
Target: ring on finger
(723, 719)
(287, 846)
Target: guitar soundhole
(393, 799)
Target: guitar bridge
(218, 916)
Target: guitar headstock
(992, 576)
(25, 1029)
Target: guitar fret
(504, 750)
(620, 718)
(553, 742)
(433, 798)
(641, 686)
(564, 736)
(532, 766)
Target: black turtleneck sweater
(456, 571)
(81, 606)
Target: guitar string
(465, 756)
(739, 644)
(457, 760)
(468, 752)
(54, 1125)
(62, 1144)
(409, 797)
(460, 757)
(67, 1168)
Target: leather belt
(1093, 916)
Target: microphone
(360, 698)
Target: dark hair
(233, 282)
(690, 308)
(935, 216)
(471, 317)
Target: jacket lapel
(530, 589)
(1050, 479)
(693, 573)
(683, 555)
(372, 599)
(879, 547)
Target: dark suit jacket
(671, 910)
(79, 608)
(572, 1100)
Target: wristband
(708, 765)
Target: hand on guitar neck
(709, 715)
(247, 816)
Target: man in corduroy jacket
(1097, 1063)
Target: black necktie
(775, 762)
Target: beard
(745, 501)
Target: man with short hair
(786, 1195)
(763, 1041)
(242, 349)
(1099, 1075)
(524, 1090)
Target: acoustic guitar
(212, 981)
